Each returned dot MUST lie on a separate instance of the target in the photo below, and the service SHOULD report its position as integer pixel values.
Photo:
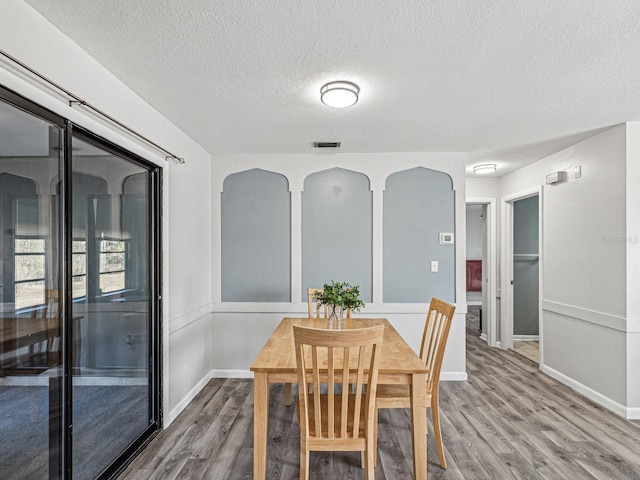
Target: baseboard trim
(591, 394)
(175, 411)
(483, 336)
(527, 338)
(182, 404)
(454, 376)
(633, 413)
(231, 374)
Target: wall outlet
(434, 265)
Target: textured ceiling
(505, 80)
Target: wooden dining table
(399, 365)
(18, 332)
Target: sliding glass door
(112, 304)
(31, 163)
(79, 289)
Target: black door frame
(60, 393)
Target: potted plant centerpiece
(338, 297)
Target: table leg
(287, 394)
(260, 424)
(419, 426)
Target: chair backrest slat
(313, 306)
(334, 358)
(434, 338)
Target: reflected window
(30, 272)
(79, 268)
(112, 271)
(112, 265)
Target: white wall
(585, 292)
(186, 224)
(633, 269)
(482, 187)
(235, 349)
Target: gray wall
(336, 230)
(418, 206)
(526, 266)
(256, 237)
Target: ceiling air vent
(326, 144)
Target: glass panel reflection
(30, 308)
(111, 306)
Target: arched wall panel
(337, 230)
(256, 237)
(418, 206)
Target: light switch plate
(434, 266)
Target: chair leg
(375, 438)
(304, 462)
(435, 413)
(369, 470)
(363, 458)
(287, 394)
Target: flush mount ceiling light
(484, 168)
(339, 94)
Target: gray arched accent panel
(418, 206)
(256, 237)
(18, 197)
(337, 230)
(90, 193)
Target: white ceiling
(508, 81)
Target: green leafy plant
(340, 294)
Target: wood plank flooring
(528, 348)
(508, 421)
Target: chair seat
(324, 405)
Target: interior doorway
(526, 272)
(481, 265)
(522, 274)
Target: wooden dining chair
(434, 341)
(314, 306)
(331, 418)
(47, 353)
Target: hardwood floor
(507, 421)
(528, 348)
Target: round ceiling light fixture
(484, 168)
(340, 94)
